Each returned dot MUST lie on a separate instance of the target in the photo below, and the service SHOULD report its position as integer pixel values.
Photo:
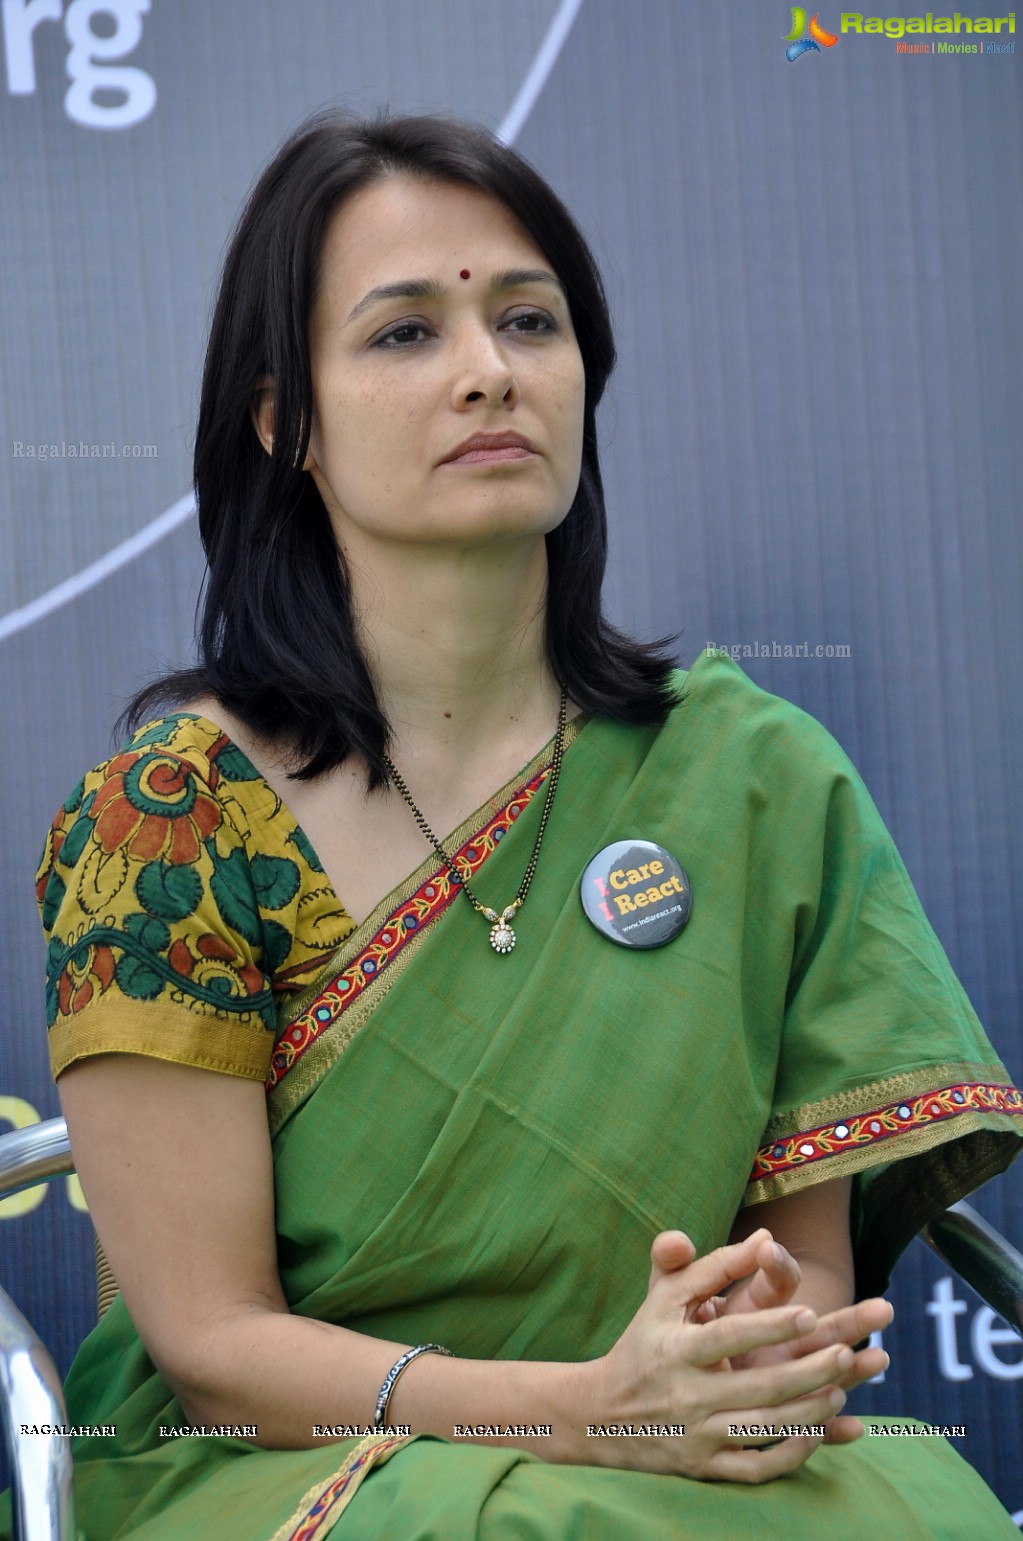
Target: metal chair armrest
(974, 1249)
(42, 1492)
(30, 1390)
(34, 1155)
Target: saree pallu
(477, 1150)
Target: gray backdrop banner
(812, 442)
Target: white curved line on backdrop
(536, 77)
(119, 556)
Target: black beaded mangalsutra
(502, 937)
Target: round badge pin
(636, 893)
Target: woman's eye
(532, 323)
(404, 335)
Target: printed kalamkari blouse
(174, 930)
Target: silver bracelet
(380, 1414)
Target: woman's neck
(456, 643)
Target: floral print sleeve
(181, 903)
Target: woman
(444, 1233)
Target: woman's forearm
(291, 1376)
(825, 1284)
(812, 1226)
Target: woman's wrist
(539, 1406)
(397, 1369)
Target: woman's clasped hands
(720, 1346)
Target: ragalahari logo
(798, 44)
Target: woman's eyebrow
(430, 289)
(403, 289)
(514, 278)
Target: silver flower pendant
(502, 937)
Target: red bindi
(464, 273)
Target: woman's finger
(671, 1251)
(776, 1385)
(842, 1431)
(851, 1324)
(803, 1417)
(708, 1310)
(756, 1466)
(868, 1363)
(775, 1281)
(702, 1277)
(726, 1337)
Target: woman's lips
(481, 457)
(489, 449)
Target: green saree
(477, 1150)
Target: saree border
(323, 1504)
(920, 1110)
(323, 1020)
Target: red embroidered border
(429, 901)
(797, 1150)
(310, 1526)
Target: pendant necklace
(502, 937)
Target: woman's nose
(483, 371)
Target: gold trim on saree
(323, 1020)
(854, 1130)
(322, 1506)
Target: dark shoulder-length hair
(277, 640)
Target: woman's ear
(262, 410)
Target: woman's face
(447, 381)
